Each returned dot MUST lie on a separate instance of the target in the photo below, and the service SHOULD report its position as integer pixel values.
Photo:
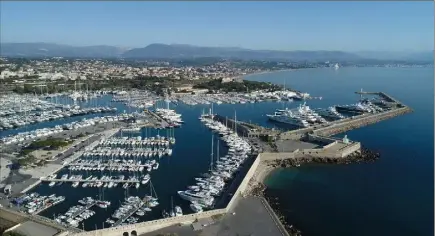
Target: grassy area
(244, 86)
(48, 144)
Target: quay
(45, 208)
(90, 181)
(12, 219)
(325, 130)
(130, 213)
(163, 123)
(89, 205)
(106, 165)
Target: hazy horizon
(284, 26)
(126, 47)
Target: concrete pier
(45, 208)
(107, 165)
(359, 121)
(343, 125)
(90, 181)
(84, 209)
(163, 123)
(130, 213)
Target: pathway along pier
(324, 130)
(90, 180)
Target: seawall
(360, 121)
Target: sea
(392, 196)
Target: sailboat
(150, 199)
(171, 212)
(207, 175)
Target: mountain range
(183, 51)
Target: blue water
(393, 196)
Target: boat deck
(91, 181)
(130, 213)
(84, 209)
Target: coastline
(268, 72)
(259, 189)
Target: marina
(237, 98)
(137, 162)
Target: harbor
(137, 161)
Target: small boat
(196, 208)
(140, 213)
(178, 211)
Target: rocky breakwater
(258, 190)
(363, 156)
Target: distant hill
(184, 51)
(189, 51)
(403, 56)
(58, 50)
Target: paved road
(251, 218)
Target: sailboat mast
(235, 122)
(217, 151)
(211, 156)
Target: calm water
(191, 156)
(393, 196)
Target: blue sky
(348, 26)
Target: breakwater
(360, 121)
(362, 156)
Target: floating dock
(130, 213)
(45, 208)
(91, 181)
(89, 205)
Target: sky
(345, 26)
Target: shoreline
(268, 72)
(260, 188)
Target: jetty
(45, 208)
(163, 123)
(126, 216)
(86, 207)
(106, 165)
(90, 180)
(324, 130)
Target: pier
(130, 213)
(90, 181)
(163, 123)
(89, 205)
(350, 123)
(245, 129)
(45, 208)
(106, 165)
